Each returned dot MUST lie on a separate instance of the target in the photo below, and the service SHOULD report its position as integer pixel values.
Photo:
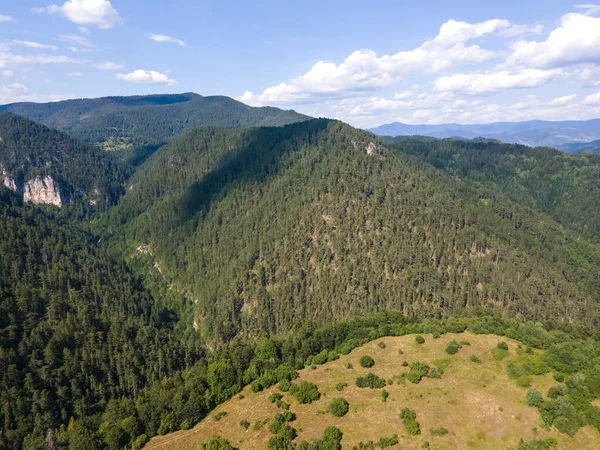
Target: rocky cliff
(38, 191)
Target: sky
(366, 63)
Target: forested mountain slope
(268, 228)
(30, 152)
(566, 187)
(78, 330)
(119, 122)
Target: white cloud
(74, 74)
(146, 77)
(165, 38)
(6, 73)
(520, 30)
(404, 95)
(6, 18)
(563, 100)
(590, 76)
(34, 45)
(487, 82)
(575, 41)
(18, 92)
(10, 59)
(77, 40)
(591, 9)
(98, 13)
(364, 70)
(593, 99)
(84, 30)
(108, 66)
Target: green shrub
(499, 353)
(219, 415)
(366, 361)
(284, 385)
(538, 444)
(384, 395)
(370, 381)
(388, 442)
(339, 407)
(381, 344)
(452, 348)
(439, 431)
(435, 373)
(420, 339)
(330, 440)
(409, 419)
(524, 381)
(339, 386)
(217, 443)
(244, 424)
(534, 398)
(348, 365)
(475, 359)
(307, 393)
(503, 345)
(275, 396)
(259, 424)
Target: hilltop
(123, 122)
(317, 221)
(475, 403)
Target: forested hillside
(77, 330)
(267, 228)
(566, 187)
(121, 122)
(29, 150)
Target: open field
(478, 403)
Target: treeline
(266, 228)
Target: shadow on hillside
(258, 160)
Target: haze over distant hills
(571, 136)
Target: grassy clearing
(478, 404)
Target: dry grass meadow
(478, 403)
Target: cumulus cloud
(364, 70)
(17, 92)
(98, 13)
(6, 18)
(488, 82)
(108, 66)
(146, 77)
(165, 38)
(575, 41)
(34, 45)
(593, 99)
(563, 100)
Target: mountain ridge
(534, 133)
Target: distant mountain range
(119, 122)
(570, 136)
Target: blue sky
(367, 64)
